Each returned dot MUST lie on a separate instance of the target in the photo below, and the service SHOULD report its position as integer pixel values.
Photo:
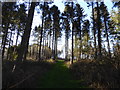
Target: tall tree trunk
(30, 51)
(81, 52)
(80, 39)
(33, 52)
(95, 49)
(4, 40)
(46, 45)
(37, 56)
(80, 48)
(76, 48)
(50, 40)
(16, 40)
(8, 53)
(53, 41)
(72, 45)
(41, 36)
(99, 31)
(66, 45)
(72, 37)
(47, 40)
(107, 37)
(55, 45)
(43, 49)
(17, 37)
(25, 39)
(87, 48)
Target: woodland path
(59, 77)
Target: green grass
(59, 77)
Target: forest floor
(61, 74)
(48, 74)
(59, 77)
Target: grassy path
(59, 77)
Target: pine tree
(56, 28)
(106, 19)
(7, 19)
(79, 15)
(86, 36)
(66, 27)
(26, 35)
(98, 23)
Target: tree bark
(25, 39)
(108, 46)
(40, 49)
(99, 31)
(41, 37)
(95, 49)
(50, 40)
(55, 45)
(17, 37)
(72, 37)
(66, 45)
(72, 46)
(8, 53)
(4, 40)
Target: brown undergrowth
(104, 73)
(24, 75)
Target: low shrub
(97, 74)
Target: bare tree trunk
(33, 52)
(4, 40)
(43, 49)
(108, 46)
(55, 45)
(72, 38)
(25, 39)
(81, 52)
(76, 47)
(8, 53)
(30, 51)
(46, 36)
(80, 45)
(16, 40)
(99, 31)
(50, 40)
(17, 37)
(87, 48)
(41, 36)
(66, 45)
(47, 41)
(95, 49)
